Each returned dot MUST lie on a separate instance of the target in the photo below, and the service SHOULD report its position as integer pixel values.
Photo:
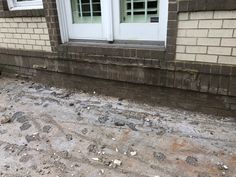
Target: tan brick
(48, 43)
(42, 25)
(6, 25)
(229, 23)
(180, 49)
(23, 25)
(44, 37)
(208, 41)
(2, 35)
(183, 16)
(9, 20)
(181, 33)
(37, 19)
(9, 35)
(31, 41)
(2, 20)
(28, 47)
(231, 42)
(21, 31)
(45, 31)
(22, 41)
(227, 60)
(25, 36)
(234, 52)
(12, 46)
(13, 25)
(196, 49)
(201, 15)
(234, 33)
(32, 25)
(19, 46)
(197, 33)
(187, 41)
(35, 36)
(207, 58)
(14, 41)
(17, 36)
(3, 30)
(46, 48)
(186, 57)
(11, 30)
(17, 19)
(29, 31)
(224, 14)
(210, 23)
(39, 42)
(220, 33)
(35, 47)
(38, 31)
(219, 50)
(5, 40)
(188, 24)
(27, 19)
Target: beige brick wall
(27, 33)
(207, 37)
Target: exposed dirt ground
(54, 132)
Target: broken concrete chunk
(5, 119)
(47, 128)
(17, 116)
(159, 156)
(117, 162)
(133, 153)
(119, 123)
(25, 126)
(132, 126)
(222, 166)
(34, 137)
(69, 137)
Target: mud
(56, 132)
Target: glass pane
(139, 11)
(86, 11)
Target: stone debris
(117, 162)
(5, 119)
(222, 166)
(203, 174)
(133, 153)
(159, 156)
(25, 126)
(192, 161)
(69, 137)
(34, 137)
(47, 129)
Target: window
(24, 4)
(133, 20)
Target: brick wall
(208, 36)
(28, 33)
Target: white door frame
(109, 27)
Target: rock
(85, 131)
(47, 128)
(22, 119)
(95, 159)
(92, 148)
(119, 123)
(25, 158)
(132, 126)
(192, 161)
(103, 120)
(69, 137)
(71, 104)
(117, 162)
(3, 109)
(203, 174)
(25, 126)
(34, 137)
(17, 115)
(133, 153)
(64, 154)
(222, 166)
(159, 156)
(5, 119)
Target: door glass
(86, 11)
(139, 11)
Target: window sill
(22, 13)
(26, 8)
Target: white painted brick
(183, 16)
(45, 31)
(196, 49)
(181, 33)
(7, 40)
(188, 24)
(6, 25)
(35, 36)
(26, 36)
(231, 42)
(37, 19)
(17, 36)
(19, 46)
(2, 20)
(201, 15)
(11, 30)
(186, 57)
(224, 14)
(12, 46)
(187, 41)
(43, 19)
(14, 41)
(3, 30)
(229, 23)
(38, 31)
(2, 35)
(210, 23)
(219, 50)
(208, 41)
(227, 60)
(234, 33)
(9, 35)
(197, 33)
(13, 25)
(207, 58)
(22, 41)
(1, 40)
(9, 20)
(44, 37)
(234, 52)
(48, 43)
(32, 25)
(180, 49)
(220, 33)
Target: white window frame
(26, 5)
(62, 15)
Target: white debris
(117, 162)
(134, 153)
(117, 150)
(95, 159)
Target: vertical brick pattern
(51, 15)
(28, 33)
(208, 36)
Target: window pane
(86, 11)
(139, 11)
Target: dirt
(53, 132)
